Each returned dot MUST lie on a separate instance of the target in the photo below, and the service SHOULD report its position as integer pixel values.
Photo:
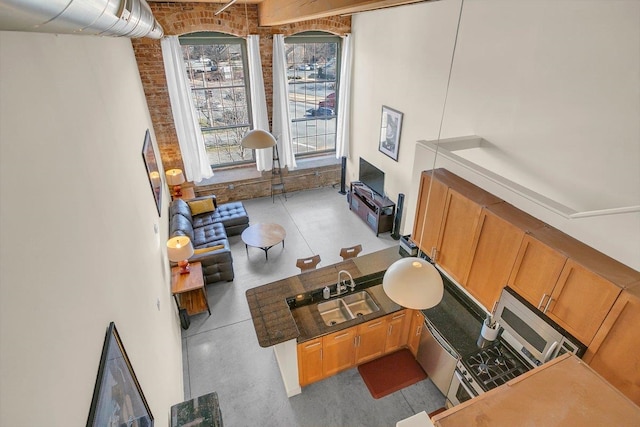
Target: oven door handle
(463, 383)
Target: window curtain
(260, 119)
(190, 140)
(281, 119)
(344, 99)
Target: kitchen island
(281, 324)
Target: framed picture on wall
(390, 132)
(117, 397)
(153, 170)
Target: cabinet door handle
(541, 301)
(434, 253)
(418, 330)
(312, 345)
(375, 324)
(399, 316)
(321, 353)
(390, 329)
(341, 336)
(546, 307)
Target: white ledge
(447, 147)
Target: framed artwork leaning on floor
(117, 398)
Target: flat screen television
(371, 176)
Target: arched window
(313, 62)
(216, 66)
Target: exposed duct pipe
(126, 18)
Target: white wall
(553, 86)
(77, 220)
(401, 60)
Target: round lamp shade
(179, 248)
(258, 138)
(413, 283)
(174, 176)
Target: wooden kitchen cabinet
(381, 336)
(326, 356)
(574, 284)
(452, 215)
(428, 240)
(580, 301)
(499, 235)
(397, 331)
(461, 219)
(536, 270)
(370, 340)
(416, 320)
(338, 351)
(484, 243)
(310, 361)
(614, 352)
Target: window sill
(244, 172)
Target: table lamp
(175, 177)
(180, 249)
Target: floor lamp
(257, 139)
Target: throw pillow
(201, 206)
(205, 250)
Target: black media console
(375, 210)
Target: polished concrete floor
(221, 351)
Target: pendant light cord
(432, 255)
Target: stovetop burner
(494, 365)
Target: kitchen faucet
(341, 285)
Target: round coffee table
(263, 236)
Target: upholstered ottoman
(233, 216)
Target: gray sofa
(209, 233)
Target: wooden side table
(187, 194)
(188, 289)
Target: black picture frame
(153, 170)
(390, 127)
(117, 397)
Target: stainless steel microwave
(530, 332)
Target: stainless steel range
(528, 339)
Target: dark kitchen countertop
(457, 319)
(275, 322)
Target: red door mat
(391, 373)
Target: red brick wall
(183, 18)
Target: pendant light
(414, 282)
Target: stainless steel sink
(360, 303)
(334, 312)
(346, 308)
